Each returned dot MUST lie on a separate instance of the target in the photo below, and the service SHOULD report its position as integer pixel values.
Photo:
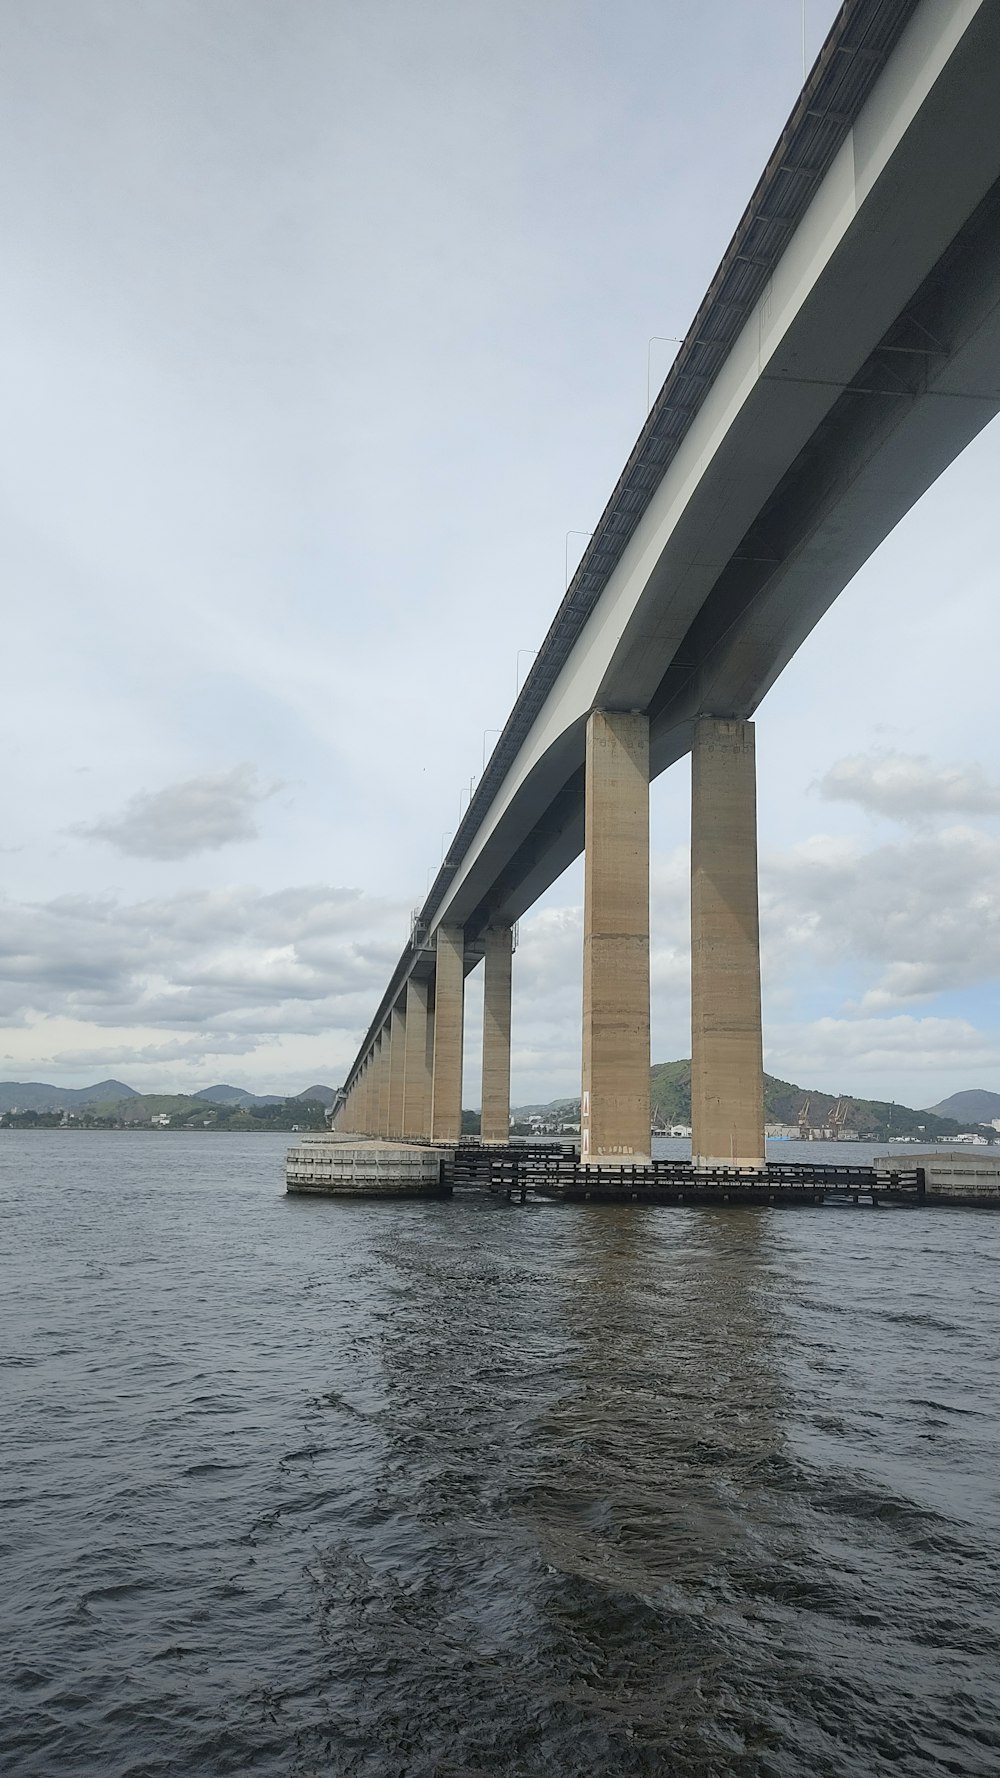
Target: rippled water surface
(450, 1489)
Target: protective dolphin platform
(343, 1167)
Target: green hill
(874, 1120)
(975, 1106)
(179, 1110)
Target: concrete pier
(368, 1099)
(449, 1018)
(381, 1124)
(397, 1062)
(417, 1061)
(614, 1115)
(495, 1119)
(727, 1069)
(365, 1117)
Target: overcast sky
(321, 323)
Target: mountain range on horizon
(669, 1081)
(35, 1095)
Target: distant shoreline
(155, 1130)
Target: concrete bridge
(846, 351)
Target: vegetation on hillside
(184, 1111)
(873, 1119)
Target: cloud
(107, 984)
(135, 1054)
(195, 815)
(925, 910)
(839, 1051)
(221, 967)
(910, 787)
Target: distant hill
(238, 1096)
(975, 1106)
(105, 1096)
(35, 1095)
(874, 1119)
(570, 1106)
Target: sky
(322, 323)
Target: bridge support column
(382, 1106)
(614, 1110)
(397, 1061)
(366, 1097)
(371, 1108)
(449, 1014)
(727, 1068)
(494, 1123)
(416, 1069)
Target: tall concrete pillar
(449, 1014)
(494, 1123)
(371, 1093)
(397, 1057)
(614, 1110)
(417, 1064)
(384, 1063)
(727, 1068)
(364, 1124)
(429, 1058)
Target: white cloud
(231, 964)
(128, 1053)
(925, 911)
(910, 786)
(837, 1053)
(196, 815)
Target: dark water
(298, 1488)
